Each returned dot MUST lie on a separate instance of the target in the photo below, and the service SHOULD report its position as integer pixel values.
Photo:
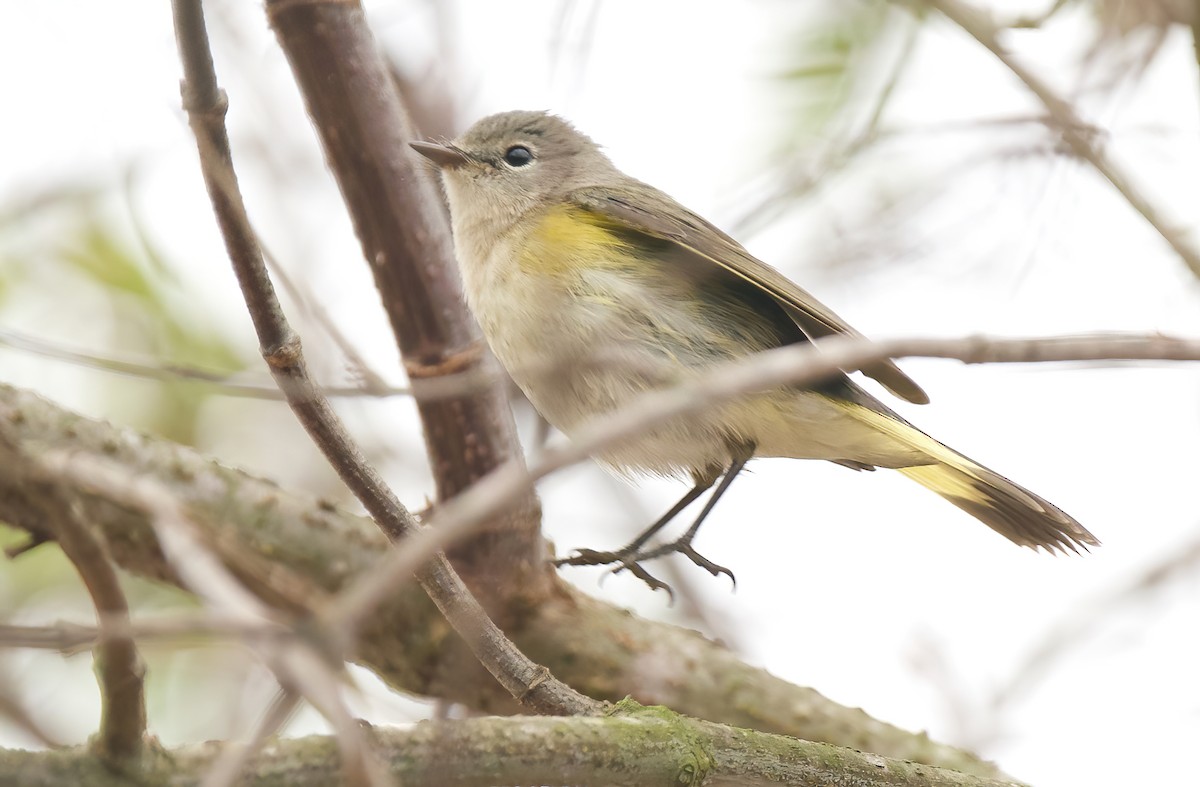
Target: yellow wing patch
(568, 239)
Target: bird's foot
(630, 558)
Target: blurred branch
(445, 387)
(632, 746)
(595, 646)
(1034, 21)
(294, 662)
(846, 132)
(117, 663)
(14, 712)
(1196, 31)
(1065, 120)
(234, 759)
(798, 364)
(280, 347)
(69, 638)
(144, 369)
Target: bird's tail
(1012, 511)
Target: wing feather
(630, 207)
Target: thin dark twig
(205, 105)
(372, 380)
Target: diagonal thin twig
(205, 105)
(295, 661)
(234, 758)
(801, 364)
(1067, 122)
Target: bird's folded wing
(633, 209)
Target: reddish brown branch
(281, 348)
(401, 224)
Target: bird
(593, 288)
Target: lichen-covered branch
(632, 746)
(593, 646)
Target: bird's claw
(631, 559)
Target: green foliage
(834, 61)
(154, 314)
(151, 312)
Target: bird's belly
(577, 359)
(580, 352)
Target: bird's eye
(518, 156)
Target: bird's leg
(683, 544)
(627, 556)
(631, 555)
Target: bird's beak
(442, 155)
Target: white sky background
(863, 586)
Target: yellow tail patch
(1013, 512)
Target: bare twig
(307, 672)
(281, 349)
(800, 364)
(295, 662)
(448, 386)
(1066, 122)
(372, 380)
(117, 663)
(234, 758)
(199, 571)
(594, 644)
(13, 711)
(70, 638)
(226, 384)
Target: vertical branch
(117, 663)
(405, 237)
(280, 347)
